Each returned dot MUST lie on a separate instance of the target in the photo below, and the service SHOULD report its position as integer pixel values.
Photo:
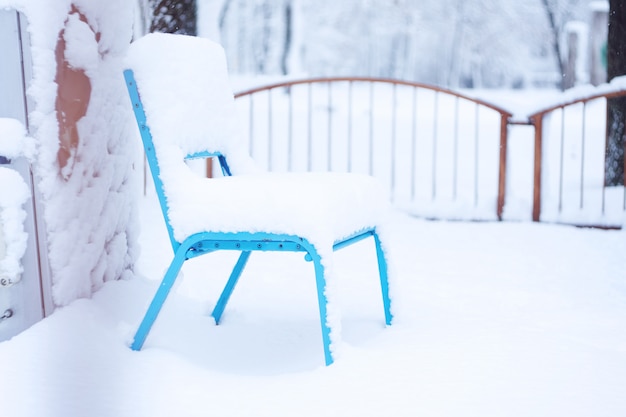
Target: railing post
(504, 133)
(537, 122)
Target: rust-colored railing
(425, 142)
(581, 150)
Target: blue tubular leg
(230, 286)
(384, 279)
(224, 166)
(320, 283)
(159, 299)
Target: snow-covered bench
(185, 109)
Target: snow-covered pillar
(576, 38)
(24, 275)
(86, 163)
(598, 36)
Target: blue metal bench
(208, 239)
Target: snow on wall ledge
(84, 164)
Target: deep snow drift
(492, 319)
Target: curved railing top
(616, 88)
(503, 112)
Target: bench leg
(384, 279)
(158, 300)
(320, 281)
(230, 286)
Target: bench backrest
(184, 107)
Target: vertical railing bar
(561, 159)
(251, 126)
(413, 144)
(330, 127)
(350, 126)
(270, 161)
(371, 133)
(476, 150)
(393, 140)
(455, 150)
(435, 134)
(290, 131)
(309, 129)
(582, 156)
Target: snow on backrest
(184, 87)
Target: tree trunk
(174, 16)
(284, 67)
(223, 14)
(555, 41)
(616, 108)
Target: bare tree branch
(549, 8)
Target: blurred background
(449, 43)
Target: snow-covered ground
(491, 319)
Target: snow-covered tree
(616, 108)
(174, 16)
(558, 13)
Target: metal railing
(570, 148)
(436, 149)
(441, 153)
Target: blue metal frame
(202, 243)
(221, 158)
